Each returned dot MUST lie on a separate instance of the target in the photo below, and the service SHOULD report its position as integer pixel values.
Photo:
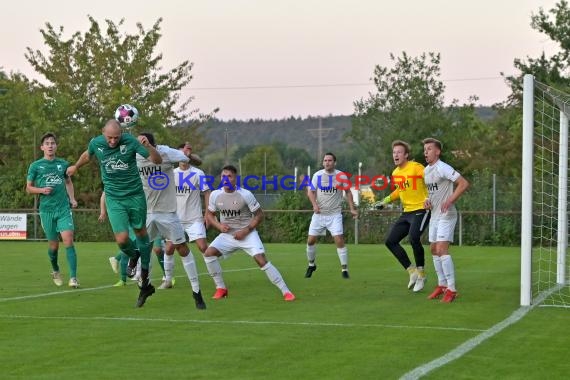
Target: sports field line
(70, 291)
(470, 344)
(238, 322)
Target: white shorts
(321, 223)
(195, 231)
(442, 226)
(166, 225)
(226, 244)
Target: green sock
(52, 254)
(71, 261)
(123, 261)
(160, 257)
(144, 246)
(128, 248)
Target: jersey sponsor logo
(115, 165)
(331, 189)
(53, 180)
(432, 186)
(230, 213)
(183, 190)
(149, 170)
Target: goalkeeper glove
(380, 205)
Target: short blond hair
(431, 140)
(407, 147)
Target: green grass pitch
(368, 327)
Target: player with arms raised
(124, 196)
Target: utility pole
(319, 133)
(226, 155)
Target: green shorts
(55, 222)
(126, 212)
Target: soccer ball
(127, 115)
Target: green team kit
(55, 211)
(126, 203)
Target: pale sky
(273, 59)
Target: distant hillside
(298, 133)
(295, 132)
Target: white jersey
(236, 208)
(439, 179)
(328, 194)
(188, 200)
(158, 179)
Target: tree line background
(86, 76)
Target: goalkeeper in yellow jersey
(410, 189)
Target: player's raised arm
(83, 159)
(154, 156)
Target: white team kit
(329, 198)
(159, 186)
(439, 179)
(189, 202)
(236, 210)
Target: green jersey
(50, 173)
(119, 165)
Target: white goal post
(544, 206)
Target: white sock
(191, 271)
(448, 271)
(311, 253)
(168, 267)
(215, 271)
(441, 281)
(275, 277)
(342, 255)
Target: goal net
(544, 209)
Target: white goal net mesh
(550, 194)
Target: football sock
(342, 255)
(441, 281)
(52, 254)
(191, 272)
(71, 261)
(275, 277)
(168, 266)
(160, 258)
(215, 271)
(123, 262)
(311, 252)
(144, 246)
(448, 271)
(128, 248)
